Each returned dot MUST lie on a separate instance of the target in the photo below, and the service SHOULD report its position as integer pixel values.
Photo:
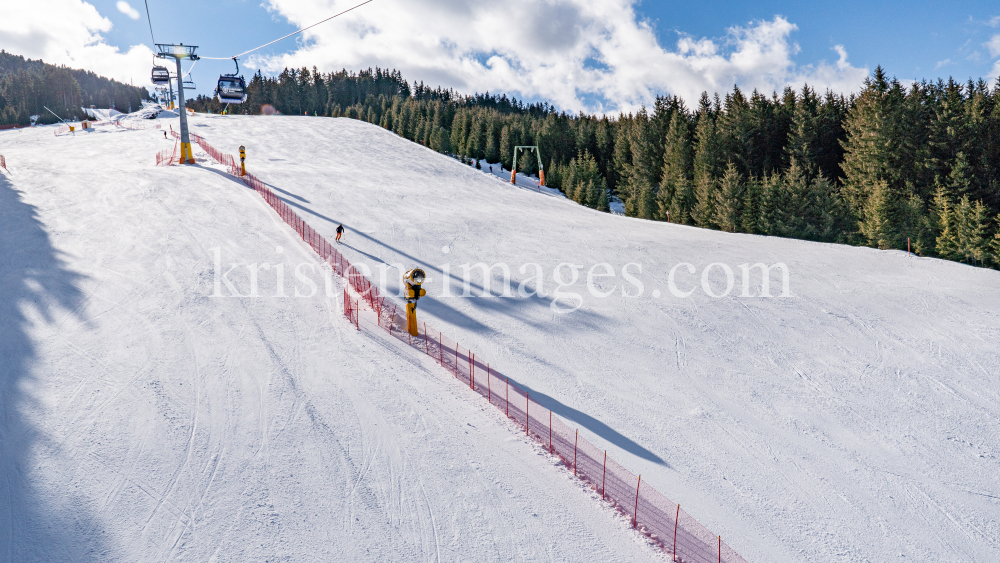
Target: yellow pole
(411, 319)
(186, 156)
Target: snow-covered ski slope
(855, 420)
(144, 420)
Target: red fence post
(720, 537)
(507, 400)
(472, 371)
(635, 513)
(604, 474)
(676, 518)
(575, 441)
(527, 407)
(357, 316)
(550, 431)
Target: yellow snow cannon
(413, 278)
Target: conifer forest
(894, 166)
(28, 86)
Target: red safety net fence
(169, 157)
(3, 163)
(15, 126)
(648, 511)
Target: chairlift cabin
(160, 75)
(232, 89)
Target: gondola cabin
(160, 75)
(231, 89)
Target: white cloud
(69, 32)
(993, 45)
(566, 51)
(129, 11)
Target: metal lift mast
(178, 53)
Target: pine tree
(640, 168)
(877, 160)
(676, 194)
(770, 200)
(876, 226)
(947, 244)
(706, 168)
(602, 205)
(729, 200)
(750, 218)
(970, 230)
(703, 214)
(803, 138)
(506, 148)
(586, 183)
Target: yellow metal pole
(411, 319)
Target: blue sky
(910, 39)
(590, 55)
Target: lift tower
(179, 52)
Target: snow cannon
(243, 158)
(413, 278)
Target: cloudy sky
(580, 55)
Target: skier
(340, 231)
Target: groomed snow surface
(148, 414)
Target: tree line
(28, 86)
(891, 167)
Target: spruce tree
(602, 205)
(729, 200)
(676, 193)
(751, 207)
(506, 148)
(703, 213)
(803, 138)
(770, 200)
(875, 160)
(640, 169)
(878, 217)
(947, 240)
(971, 224)
(706, 168)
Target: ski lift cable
(148, 19)
(289, 35)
